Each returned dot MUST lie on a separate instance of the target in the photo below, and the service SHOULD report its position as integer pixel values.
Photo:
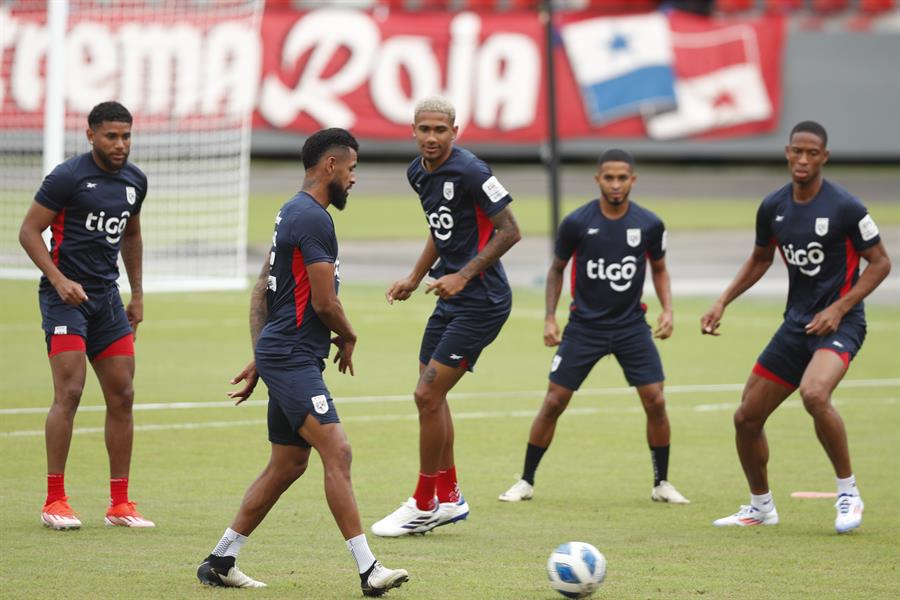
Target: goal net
(188, 72)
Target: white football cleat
(849, 513)
(452, 512)
(749, 516)
(666, 492)
(406, 520)
(382, 579)
(210, 572)
(521, 490)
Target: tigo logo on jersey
(802, 258)
(821, 226)
(613, 272)
(448, 190)
(130, 194)
(320, 404)
(113, 226)
(633, 237)
(441, 223)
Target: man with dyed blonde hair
(471, 227)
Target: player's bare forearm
(662, 283)
(36, 221)
(325, 301)
(132, 256)
(750, 272)
(506, 235)
(259, 310)
(553, 288)
(428, 257)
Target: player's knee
(654, 405)
(121, 401)
(816, 398)
(427, 400)
(67, 397)
(745, 421)
(554, 406)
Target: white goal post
(188, 72)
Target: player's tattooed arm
(258, 315)
(505, 237)
(259, 310)
(552, 291)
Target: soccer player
(294, 308)
(610, 241)
(92, 203)
(821, 231)
(471, 227)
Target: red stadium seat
(734, 6)
(876, 6)
(829, 6)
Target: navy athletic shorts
(582, 347)
(789, 351)
(296, 389)
(456, 334)
(100, 320)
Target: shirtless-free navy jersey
(459, 198)
(609, 260)
(820, 241)
(304, 235)
(92, 209)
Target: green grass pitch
(191, 466)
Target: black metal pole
(551, 148)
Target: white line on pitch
(616, 391)
(483, 414)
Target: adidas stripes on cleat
(59, 515)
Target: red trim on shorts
(572, 273)
(66, 343)
(763, 372)
(852, 268)
(301, 285)
(56, 233)
(124, 346)
(844, 356)
(464, 363)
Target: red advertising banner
(656, 75)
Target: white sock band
(230, 544)
(762, 502)
(359, 548)
(847, 486)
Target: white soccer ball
(576, 569)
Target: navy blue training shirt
(459, 198)
(304, 234)
(93, 207)
(820, 241)
(609, 261)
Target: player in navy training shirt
(92, 204)
(294, 309)
(471, 227)
(821, 231)
(610, 241)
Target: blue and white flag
(623, 65)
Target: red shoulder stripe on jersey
(852, 267)
(763, 372)
(66, 343)
(301, 285)
(56, 229)
(573, 272)
(844, 356)
(124, 346)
